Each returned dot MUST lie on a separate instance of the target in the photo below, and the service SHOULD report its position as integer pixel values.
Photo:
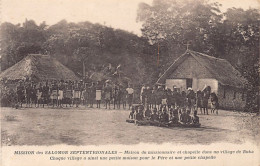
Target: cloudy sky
(115, 13)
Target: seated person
(189, 118)
(154, 116)
(164, 118)
(175, 116)
(195, 119)
(139, 114)
(185, 118)
(148, 112)
(131, 115)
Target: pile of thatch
(37, 67)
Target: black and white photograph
(121, 72)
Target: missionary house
(197, 70)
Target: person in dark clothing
(108, 94)
(214, 103)
(148, 113)
(20, 93)
(34, 95)
(54, 93)
(130, 95)
(195, 119)
(28, 93)
(92, 94)
(164, 117)
(199, 102)
(131, 115)
(205, 99)
(98, 93)
(124, 97)
(155, 116)
(45, 93)
(191, 99)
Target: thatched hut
(195, 70)
(37, 67)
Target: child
(148, 112)
(195, 119)
(76, 94)
(98, 94)
(108, 94)
(131, 115)
(61, 88)
(154, 116)
(214, 103)
(39, 94)
(54, 93)
(164, 118)
(45, 93)
(20, 93)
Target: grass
(71, 126)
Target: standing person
(164, 98)
(153, 97)
(158, 98)
(54, 93)
(34, 95)
(61, 89)
(119, 96)
(199, 102)
(108, 94)
(45, 93)
(130, 96)
(39, 94)
(84, 96)
(214, 103)
(115, 95)
(28, 92)
(92, 94)
(20, 93)
(144, 95)
(124, 97)
(149, 97)
(174, 97)
(69, 93)
(183, 100)
(191, 99)
(76, 94)
(141, 93)
(98, 93)
(169, 98)
(205, 99)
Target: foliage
(167, 26)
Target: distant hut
(195, 70)
(37, 68)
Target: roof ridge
(172, 65)
(208, 56)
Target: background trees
(166, 24)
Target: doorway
(188, 83)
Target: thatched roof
(38, 67)
(220, 69)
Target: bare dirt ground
(85, 126)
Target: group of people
(73, 93)
(69, 93)
(160, 96)
(164, 115)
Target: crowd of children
(73, 93)
(68, 93)
(163, 116)
(160, 96)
